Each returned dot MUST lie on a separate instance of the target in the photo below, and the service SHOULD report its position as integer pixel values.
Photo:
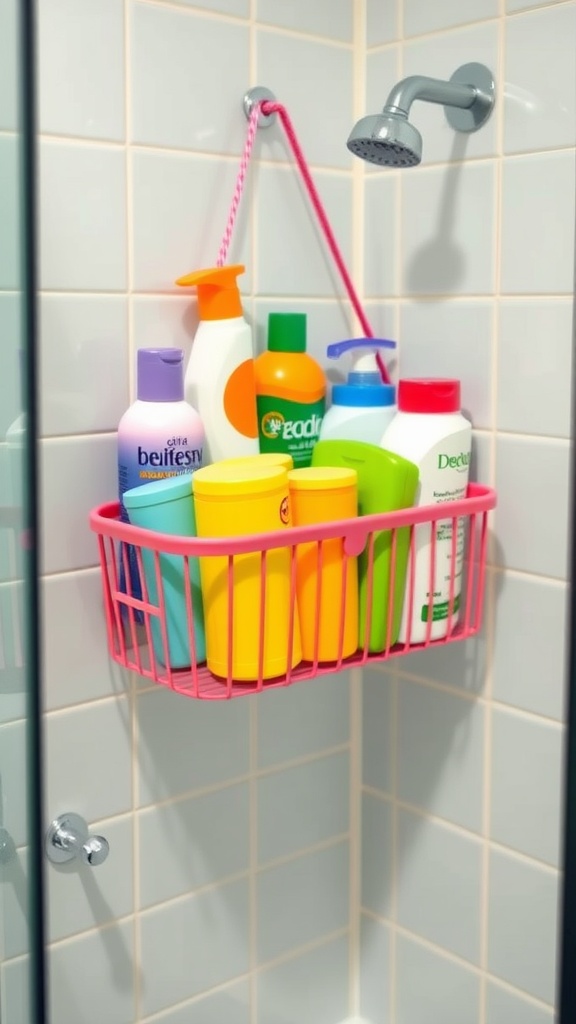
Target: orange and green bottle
(290, 391)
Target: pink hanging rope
(267, 107)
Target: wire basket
(138, 627)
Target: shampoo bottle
(430, 430)
(290, 391)
(220, 374)
(361, 409)
(159, 436)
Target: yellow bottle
(329, 629)
(233, 499)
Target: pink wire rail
(145, 648)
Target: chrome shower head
(390, 140)
(387, 139)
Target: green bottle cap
(287, 332)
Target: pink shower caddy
(130, 644)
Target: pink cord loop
(267, 107)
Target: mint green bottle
(386, 483)
(290, 391)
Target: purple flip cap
(160, 375)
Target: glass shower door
(21, 940)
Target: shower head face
(387, 139)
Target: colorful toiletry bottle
(220, 373)
(386, 483)
(326, 580)
(430, 430)
(363, 407)
(232, 500)
(290, 390)
(160, 435)
(167, 506)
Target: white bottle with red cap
(430, 430)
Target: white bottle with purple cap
(160, 435)
(363, 407)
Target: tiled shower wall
(462, 755)
(231, 892)
(226, 893)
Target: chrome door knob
(68, 838)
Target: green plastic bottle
(386, 483)
(290, 391)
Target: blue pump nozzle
(365, 386)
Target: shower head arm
(432, 90)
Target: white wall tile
(445, 991)
(526, 776)
(535, 367)
(440, 885)
(10, 380)
(313, 801)
(82, 216)
(239, 8)
(420, 18)
(10, 255)
(505, 1007)
(377, 728)
(527, 673)
(200, 941)
(331, 18)
(540, 108)
(89, 760)
(230, 1004)
(523, 902)
(381, 22)
(170, 107)
(532, 532)
(447, 230)
(311, 988)
(81, 897)
(439, 56)
(15, 780)
(448, 339)
(82, 670)
(191, 843)
(302, 900)
(185, 744)
(518, 5)
(306, 267)
(161, 321)
(441, 753)
(314, 81)
(302, 720)
(382, 73)
(15, 905)
(375, 970)
(81, 68)
(77, 475)
(83, 363)
(377, 855)
(180, 206)
(537, 248)
(9, 74)
(382, 270)
(106, 991)
(15, 989)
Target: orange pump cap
(218, 295)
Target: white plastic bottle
(219, 379)
(430, 430)
(160, 435)
(361, 409)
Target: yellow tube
(325, 575)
